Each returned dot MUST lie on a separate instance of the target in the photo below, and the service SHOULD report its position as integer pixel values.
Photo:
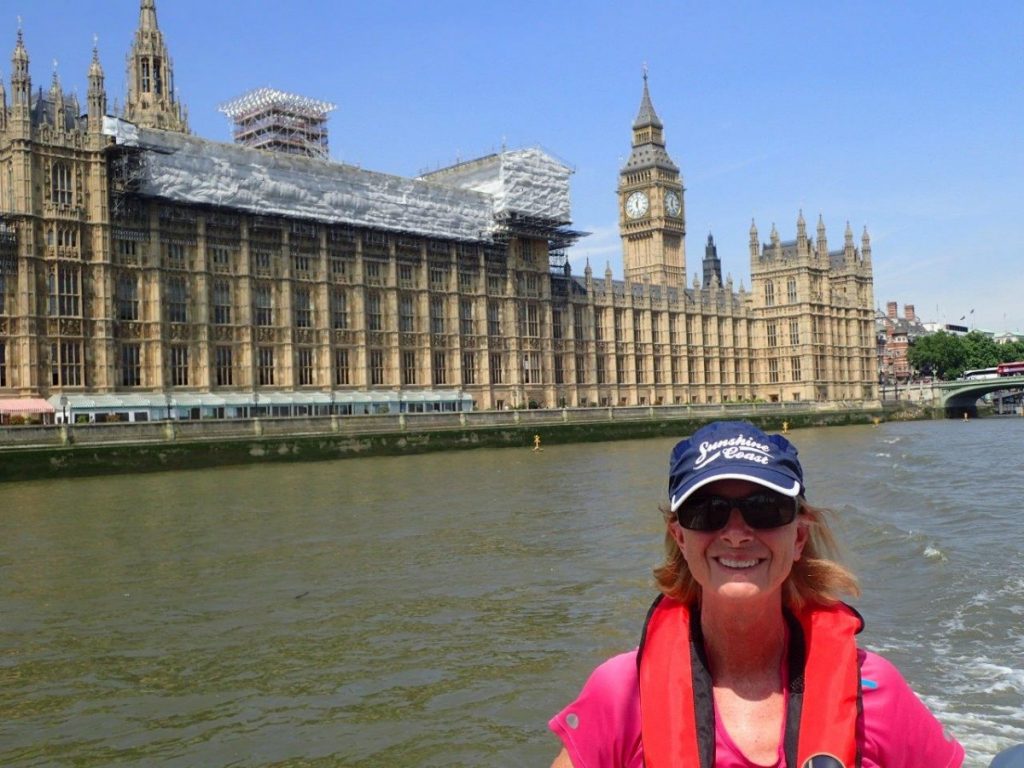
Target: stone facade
(107, 287)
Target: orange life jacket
(677, 702)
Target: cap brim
(786, 490)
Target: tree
(942, 353)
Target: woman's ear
(678, 533)
(803, 533)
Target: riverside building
(149, 273)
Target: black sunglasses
(761, 510)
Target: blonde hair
(817, 577)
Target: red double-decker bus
(1011, 369)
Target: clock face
(636, 205)
(672, 206)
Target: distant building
(148, 273)
(895, 335)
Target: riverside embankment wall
(31, 452)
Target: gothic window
(3, 293)
(620, 369)
(220, 255)
(60, 183)
(339, 309)
(177, 299)
(222, 302)
(406, 316)
(557, 332)
(466, 317)
(305, 366)
(656, 327)
(376, 367)
(438, 277)
(341, 372)
(468, 368)
(578, 326)
(174, 255)
(179, 366)
(303, 308)
(301, 266)
(223, 359)
(408, 367)
(618, 317)
(265, 366)
(3, 364)
(127, 292)
(66, 364)
(373, 272)
(602, 375)
(773, 340)
(496, 285)
(144, 80)
(532, 321)
(531, 368)
(795, 368)
(493, 318)
(406, 276)
(791, 290)
(559, 371)
(496, 366)
(581, 369)
(131, 365)
(638, 327)
(263, 310)
(440, 368)
(794, 332)
(437, 314)
(769, 294)
(64, 292)
(773, 370)
(158, 83)
(374, 320)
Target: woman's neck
(746, 644)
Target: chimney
(891, 309)
(908, 312)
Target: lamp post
(170, 404)
(255, 404)
(64, 408)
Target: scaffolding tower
(280, 122)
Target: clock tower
(652, 219)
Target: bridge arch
(961, 397)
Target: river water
(435, 610)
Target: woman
(748, 658)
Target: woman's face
(740, 562)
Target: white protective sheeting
(451, 204)
(526, 181)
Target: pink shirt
(601, 729)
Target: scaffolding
(280, 122)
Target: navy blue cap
(733, 450)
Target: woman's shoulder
(602, 725)
(899, 730)
(616, 674)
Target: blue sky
(904, 117)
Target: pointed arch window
(158, 83)
(144, 79)
(791, 290)
(769, 294)
(60, 183)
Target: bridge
(961, 396)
